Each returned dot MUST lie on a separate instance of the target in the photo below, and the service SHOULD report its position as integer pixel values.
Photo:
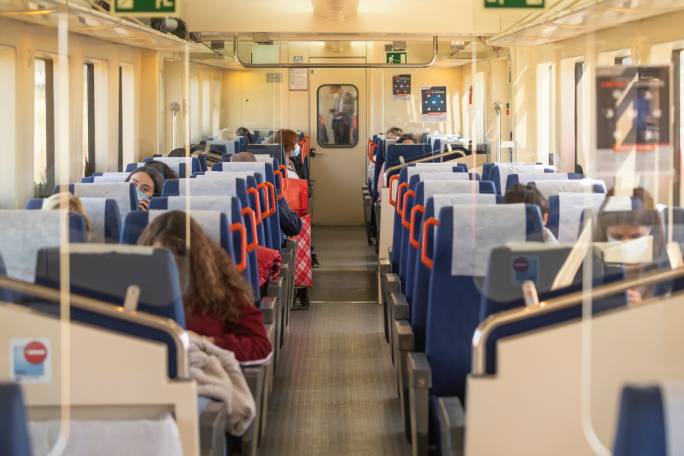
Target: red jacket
(247, 338)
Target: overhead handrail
(485, 329)
(167, 325)
(428, 64)
(427, 158)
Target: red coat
(247, 338)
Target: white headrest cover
(480, 228)
(111, 248)
(510, 168)
(554, 187)
(209, 221)
(571, 206)
(264, 158)
(432, 187)
(118, 191)
(673, 408)
(200, 203)
(226, 175)
(455, 199)
(618, 204)
(535, 177)
(444, 176)
(257, 167)
(110, 178)
(446, 165)
(116, 173)
(24, 232)
(95, 210)
(208, 187)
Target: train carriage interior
(341, 227)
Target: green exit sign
(514, 3)
(396, 57)
(147, 8)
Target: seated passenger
(394, 133)
(148, 183)
(243, 157)
(163, 168)
(629, 224)
(177, 152)
(291, 148)
(218, 302)
(406, 138)
(529, 194)
(242, 131)
(73, 203)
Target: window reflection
(338, 115)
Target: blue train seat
(525, 178)
(178, 164)
(122, 192)
(132, 166)
(105, 177)
(407, 151)
(14, 435)
(554, 187)
(565, 213)
(500, 171)
(273, 150)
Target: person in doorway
(218, 301)
(342, 115)
(148, 183)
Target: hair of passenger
(242, 131)
(644, 214)
(155, 175)
(243, 157)
(394, 131)
(214, 285)
(164, 169)
(287, 138)
(406, 137)
(73, 203)
(527, 194)
(177, 152)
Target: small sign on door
(30, 360)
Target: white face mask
(296, 151)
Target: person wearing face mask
(217, 300)
(641, 219)
(148, 183)
(292, 150)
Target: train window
(337, 113)
(479, 102)
(43, 128)
(126, 152)
(195, 124)
(88, 119)
(206, 107)
(623, 60)
(579, 106)
(545, 112)
(216, 106)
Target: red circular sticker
(521, 264)
(35, 352)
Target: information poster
(401, 86)
(299, 77)
(434, 103)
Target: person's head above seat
(629, 216)
(289, 140)
(148, 183)
(243, 157)
(69, 201)
(394, 133)
(211, 283)
(163, 169)
(407, 138)
(244, 132)
(527, 194)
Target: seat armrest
(400, 307)
(268, 306)
(213, 421)
(254, 376)
(274, 286)
(404, 334)
(451, 425)
(420, 374)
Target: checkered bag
(303, 269)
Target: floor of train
(335, 391)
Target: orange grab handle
(427, 261)
(400, 195)
(242, 265)
(249, 212)
(265, 213)
(278, 174)
(272, 190)
(255, 192)
(283, 170)
(407, 195)
(412, 230)
(393, 202)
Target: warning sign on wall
(30, 360)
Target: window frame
(49, 128)
(89, 165)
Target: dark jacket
(290, 223)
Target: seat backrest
(465, 237)
(25, 232)
(273, 150)
(525, 178)
(132, 166)
(14, 435)
(554, 187)
(565, 213)
(499, 173)
(178, 164)
(122, 192)
(407, 151)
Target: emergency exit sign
(395, 57)
(514, 3)
(147, 8)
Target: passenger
(407, 138)
(148, 183)
(242, 131)
(163, 168)
(243, 157)
(177, 152)
(218, 302)
(529, 194)
(394, 133)
(74, 204)
(625, 225)
(292, 150)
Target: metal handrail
(428, 64)
(427, 158)
(485, 329)
(166, 325)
